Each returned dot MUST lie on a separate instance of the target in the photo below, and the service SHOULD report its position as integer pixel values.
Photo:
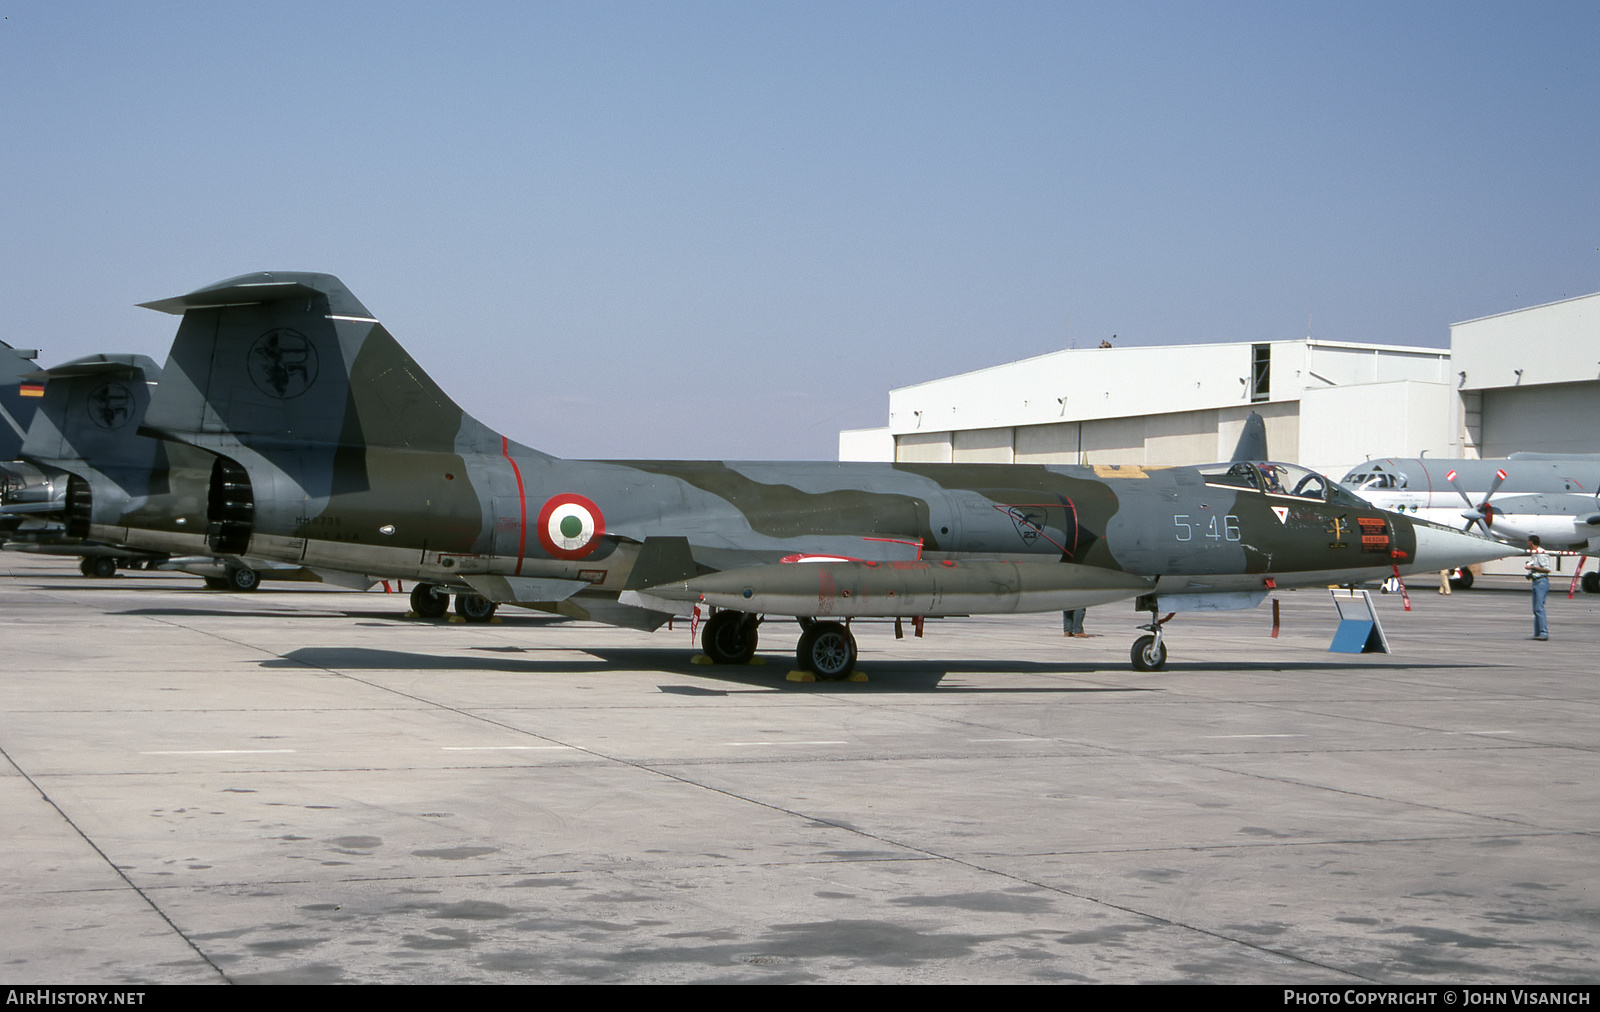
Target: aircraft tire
(828, 651)
(1462, 580)
(429, 601)
(243, 579)
(1591, 583)
(1147, 654)
(215, 583)
(83, 566)
(730, 637)
(102, 566)
(475, 607)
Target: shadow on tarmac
(769, 675)
(882, 675)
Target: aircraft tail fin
(1252, 443)
(284, 362)
(87, 424)
(90, 411)
(18, 399)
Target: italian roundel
(570, 526)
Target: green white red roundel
(570, 526)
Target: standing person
(1444, 580)
(1538, 567)
(1072, 623)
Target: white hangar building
(1525, 380)
(1529, 379)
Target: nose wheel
(1149, 653)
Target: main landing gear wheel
(730, 637)
(243, 579)
(1591, 583)
(1461, 579)
(429, 601)
(827, 650)
(101, 566)
(1148, 654)
(475, 607)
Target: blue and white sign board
(1359, 630)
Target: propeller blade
(1494, 486)
(1484, 507)
(1451, 478)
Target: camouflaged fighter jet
(84, 440)
(334, 449)
(138, 493)
(40, 499)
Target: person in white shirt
(1538, 567)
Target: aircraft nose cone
(1442, 548)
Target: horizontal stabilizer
(261, 287)
(98, 366)
(20, 356)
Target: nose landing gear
(1149, 653)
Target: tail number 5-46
(1224, 528)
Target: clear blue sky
(706, 230)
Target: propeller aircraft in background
(1552, 495)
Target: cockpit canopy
(1375, 477)
(1275, 478)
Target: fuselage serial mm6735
(333, 450)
